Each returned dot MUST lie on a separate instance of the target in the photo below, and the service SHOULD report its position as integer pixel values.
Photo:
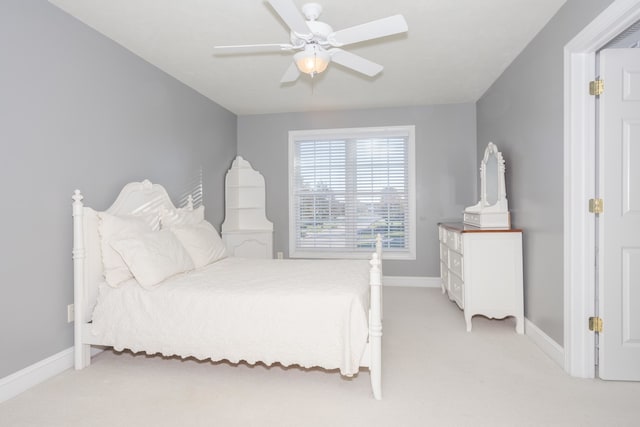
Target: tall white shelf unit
(246, 231)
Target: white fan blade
(355, 62)
(253, 48)
(371, 30)
(291, 16)
(291, 75)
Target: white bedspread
(295, 312)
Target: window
(346, 186)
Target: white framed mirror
(492, 211)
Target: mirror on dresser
(492, 211)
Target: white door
(619, 224)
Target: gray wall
(79, 111)
(445, 165)
(522, 113)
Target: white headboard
(136, 198)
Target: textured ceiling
(454, 50)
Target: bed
(168, 298)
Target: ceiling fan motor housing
(319, 33)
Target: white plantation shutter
(347, 186)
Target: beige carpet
(435, 374)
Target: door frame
(579, 181)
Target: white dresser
(481, 270)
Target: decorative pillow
(114, 227)
(202, 243)
(181, 217)
(153, 257)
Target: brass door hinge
(596, 87)
(596, 206)
(595, 324)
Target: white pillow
(181, 217)
(153, 257)
(202, 242)
(113, 227)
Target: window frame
(407, 131)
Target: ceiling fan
(317, 44)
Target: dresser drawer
(444, 275)
(451, 239)
(458, 242)
(442, 234)
(455, 263)
(444, 254)
(454, 240)
(456, 288)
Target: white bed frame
(144, 197)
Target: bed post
(375, 323)
(82, 352)
(379, 252)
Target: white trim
(24, 379)
(32, 375)
(579, 182)
(549, 346)
(412, 282)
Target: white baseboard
(412, 282)
(545, 342)
(24, 379)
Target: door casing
(579, 182)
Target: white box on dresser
(481, 270)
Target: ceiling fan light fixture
(312, 60)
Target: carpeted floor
(435, 374)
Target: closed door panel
(619, 232)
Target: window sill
(386, 255)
